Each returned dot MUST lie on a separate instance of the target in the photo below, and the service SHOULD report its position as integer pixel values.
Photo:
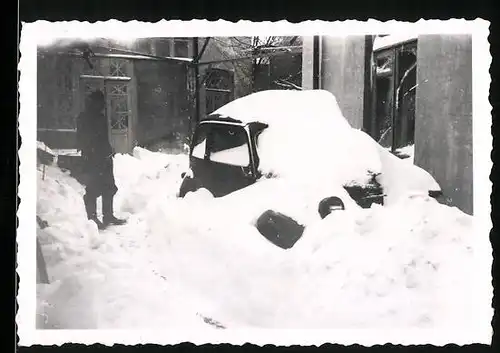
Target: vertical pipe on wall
(369, 86)
(196, 80)
(316, 62)
(394, 110)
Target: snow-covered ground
(183, 263)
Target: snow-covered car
(290, 156)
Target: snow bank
(186, 263)
(95, 276)
(416, 262)
(134, 173)
(401, 179)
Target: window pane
(119, 121)
(181, 48)
(223, 144)
(118, 103)
(229, 145)
(118, 67)
(405, 98)
(162, 46)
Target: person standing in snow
(97, 156)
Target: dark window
(227, 144)
(162, 47)
(181, 48)
(394, 95)
(219, 86)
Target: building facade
(150, 86)
(146, 96)
(223, 79)
(406, 92)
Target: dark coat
(97, 153)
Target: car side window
(200, 144)
(256, 130)
(228, 144)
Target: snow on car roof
(308, 136)
(283, 106)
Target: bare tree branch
(247, 45)
(407, 72)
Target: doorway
(119, 112)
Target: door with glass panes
(117, 89)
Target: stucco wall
(443, 123)
(307, 62)
(341, 72)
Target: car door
(220, 158)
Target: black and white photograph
(246, 182)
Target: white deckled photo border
(37, 32)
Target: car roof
(217, 118)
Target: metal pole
(316, 62)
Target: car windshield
(222, 143)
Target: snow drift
(183, 263)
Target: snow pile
(417, 263)
(401, 179)
(190, 263)
(304, 124)
(298, 199)
(132, 173)
(407, 151)
(95, 276)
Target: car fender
(188, 184)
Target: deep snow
(184, 263)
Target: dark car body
(221, 177)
